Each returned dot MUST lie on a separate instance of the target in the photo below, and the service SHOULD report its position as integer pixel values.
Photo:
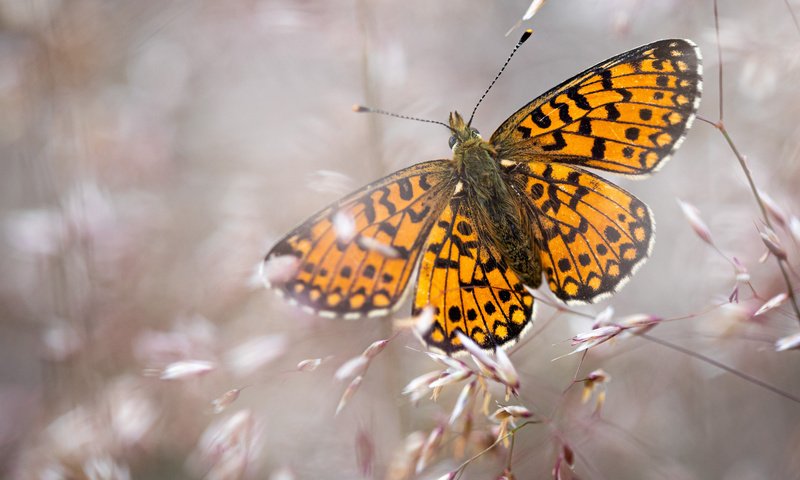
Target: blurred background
(152, 151)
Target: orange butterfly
(480, 227)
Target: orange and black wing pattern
(591, 234)
(469, 286)
(625, 115)
(355, 257)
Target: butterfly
(479, 230)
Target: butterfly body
(506, 213)
(500, 216)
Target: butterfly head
(463, 134)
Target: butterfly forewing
(355, 257)
(625, 115)
(469, 285)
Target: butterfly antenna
(363, 109)
(522, 39)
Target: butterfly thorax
(500, 216)
(473, 157)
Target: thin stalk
(721, 366)
(510, 453)
(794, 17)
(510, 433)
(719, 58)
(719, 125)
(765, 217)
(756, 194)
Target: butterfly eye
(476, 132)
(452, 142)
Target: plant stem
(721, 366)
(511, 433)
(743, 163)
(719, 125)
(510, 452)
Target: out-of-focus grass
(152, 151)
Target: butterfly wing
(356, 256)
(625, 115)
(591, 234)
(469, 285)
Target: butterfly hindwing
(625, 115)
(591, 234)
(356, 256)
(468, 284)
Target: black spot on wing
(369, 209)
(606, 81)
(415, 216)
(558, 141)
(540, 119)
(612, 112)
(585, 126)
(445, 263)
(391, 230)
(599, 148)
(580, 100)
(406, 190)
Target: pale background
(152, 152)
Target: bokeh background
(152, 151)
